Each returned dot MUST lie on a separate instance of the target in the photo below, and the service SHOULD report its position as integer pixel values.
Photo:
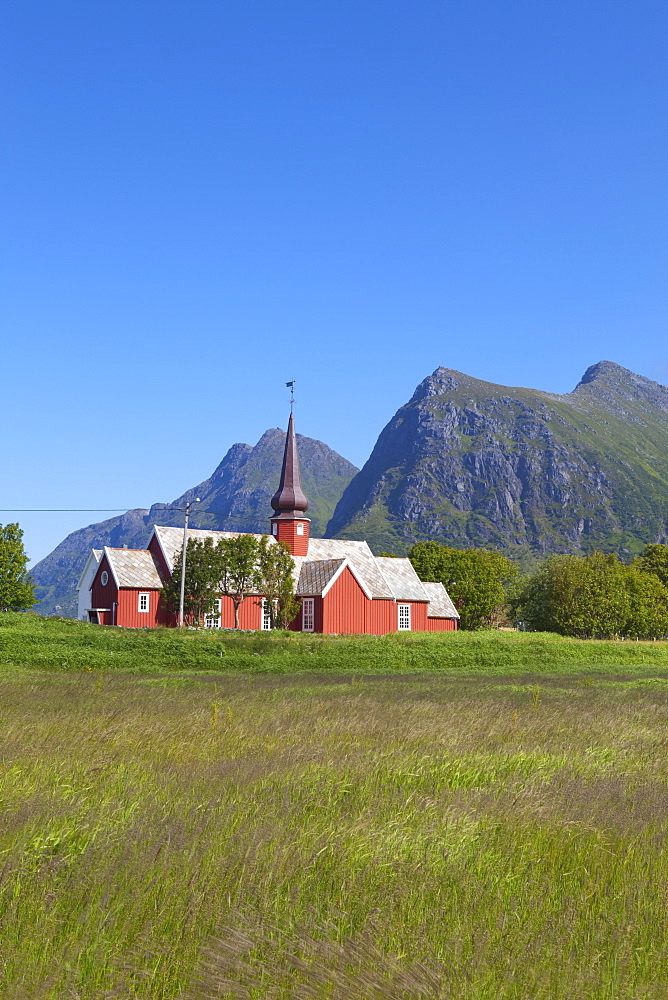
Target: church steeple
(289, 523)
(289, 496)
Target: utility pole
(183, 557)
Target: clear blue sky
(203, 200)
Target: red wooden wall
(123, 604)
(250, 613)
(128, 613)
(442, 624)
(346, 610)
(287, 532)
(344, 606)
(104, 597)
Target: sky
(203, 200)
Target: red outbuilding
(342, 586)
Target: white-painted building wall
(85, 582)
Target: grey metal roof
(440, 605)
(315, 574)
(133, 568)
(404, 582)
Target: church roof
(133, 568)
(171, 539)
(440, 604)
(362, 562)
(316, 574)
(402, 578)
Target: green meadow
(469, 817)
(62, 644)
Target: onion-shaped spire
(289, 496)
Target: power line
(110, 510)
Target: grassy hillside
(65, 644)
(189, 837)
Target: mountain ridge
(469, 462)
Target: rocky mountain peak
(445, 380)
(614, 387)
(473, 464)
(605, 371)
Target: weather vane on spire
(291, 387)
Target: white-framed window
(213, 621)
(308, 614)
(300, 528)
(274, 528)
(143, 602)
(104, 578)
(404, 617)
(266, 615)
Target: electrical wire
(111, 510)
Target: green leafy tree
(202, 584)
(476, 579)
(275, 568)
(654, 559)
(238, 569)
(648, 611)
(16, 588)
(594, 596)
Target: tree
(202, 584)
(276, 581)
(16, 588)
(594, 596)
(475, 579)
(648, 613)
(654, 559)
(238, 569)
(574, 595)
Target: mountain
(238, 491)
(470, 463)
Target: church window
(308, 614)
(213, 620)
(404, 617)
(266, 615)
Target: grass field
(64, 644)
(448, 834)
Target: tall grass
(64, 644)
(327, 836)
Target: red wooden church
(342, 586)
